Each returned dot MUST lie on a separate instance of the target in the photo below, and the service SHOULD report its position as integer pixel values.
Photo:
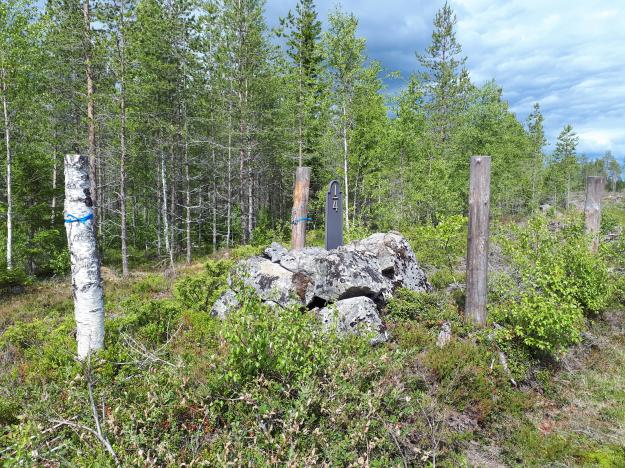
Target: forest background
(194, 115)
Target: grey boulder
(371, 268)
(395, 260)
(225, 304)
(275, 252)
(358, 315)
(271, 282)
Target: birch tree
(345, 57)
(85, 262)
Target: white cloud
(567, 55)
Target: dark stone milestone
(334, 216)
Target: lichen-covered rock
(314, 277)
(343, 274)
(395, 258)
(275, 252)
(303, 260)
(358, 315)
(270, 281)
(225, 304)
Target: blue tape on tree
(83, 220)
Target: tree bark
(122, 143)
(85, 262)
(90, 105)
(9, 181)
(187, 177)
(345, 167)
(164, 216)
(300, 208)
(54, 182)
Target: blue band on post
(295, 221)
(74, 219)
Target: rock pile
(345, 286)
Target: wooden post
(592, 209)
(299, 215)
(477, 244)
(85, 262)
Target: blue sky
(567, 55)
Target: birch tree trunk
(9, 182)
(54, 178)
(81, 240)
(187, 177)
(345, 166)
(164, 219)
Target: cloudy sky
(567, 55)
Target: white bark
(345, 167)
(54, 177)
(9, 182)
(164, 219)
(81, 240)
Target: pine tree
(304, 50)
(564, 163)
(445, 76)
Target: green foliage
(606, 457)
(469, 381)
(60, 263)
(150, 284)
(544, 321)
(268, 231)
(440, 279)
(442, 244)
(430, 309)
(278, 344)
(9, 411)
(356, 232)
(199, 292)
(154, 321)
(559, 281)
(12, 278)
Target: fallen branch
(103, 440)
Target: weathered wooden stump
(477, 242)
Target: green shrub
(268, 231)
(441, 245)
(12, 278)
(588, 274)
(9, 411)
(543, 321)
(283, 344)
(429, 309)
(154, 321)
(502, 287)
(60, 263)
(440, 279)
(199, 292)
(24, 335)
(468, 379)
(356, 232)
(150, 284)
(413, 335)
(557, 280)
